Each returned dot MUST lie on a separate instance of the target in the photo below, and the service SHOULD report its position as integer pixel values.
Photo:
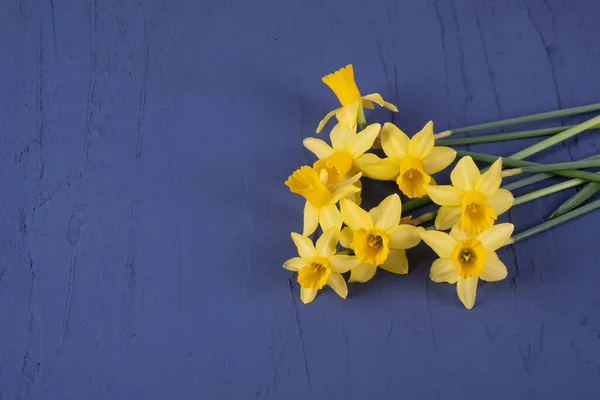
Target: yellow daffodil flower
(346, 155)
(377, 237)
(343, 85)
(410, 162)
(464, 259)
(321, 199)
(319, 265)
(474, 200)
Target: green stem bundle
(588, 191)
(527, 118)
(553, 222)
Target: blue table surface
(144, 219)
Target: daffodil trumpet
(342, 83)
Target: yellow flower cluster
(379, 237)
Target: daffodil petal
(439, 242)
(443, 270)
(394, 142)
(346, 237)
(384, 170)
(494, 270)
(338, 284)
(467, 291)
(387, 214)
(355, 197)
(311, 219)
(294, 264)
(501, 201)
(447, 217)
(490, 180)
(404, 236)
(330, 217)
(438, 159)
(318, 147)
(343, 192)
(459, 234)
(422, 142)
(305, 246)
(343, 263)
(465, 174)
(354, 216)
(495, 237)
(396, 262)
(367, 104)
(444, 195)
(347, 115)
(367, 158)
(363, 140)
(390, 106)
(350, 181)
(327, 242)
(340, 135)
(307, 295)
(362, 273)
(375, 98)
(326, 119)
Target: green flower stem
(415, 204)
(512, 162)
(527, 118)
(362, 121)
(547, 190)
(559, 137)
(553, 167)
(588, 191)
(530, 180)
(423, 218)
(553, 222)
(499, 137)
(538, 178)
(512, 172)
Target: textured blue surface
(144, 218)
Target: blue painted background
(144, 219)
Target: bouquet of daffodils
(468, 208)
